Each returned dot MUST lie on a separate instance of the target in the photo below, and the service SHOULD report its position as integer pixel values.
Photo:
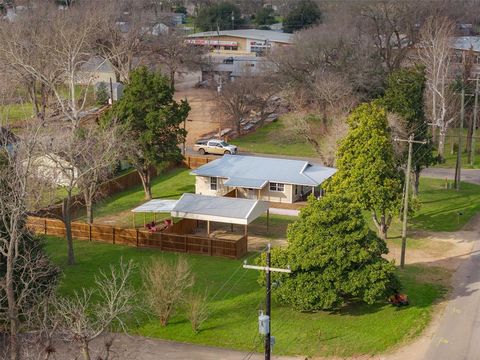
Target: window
(213, 183)
(277, 186)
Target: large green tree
(264, 17)
(218, 17)
(405, 97)
(367, 167)
(152, 122)
(334, 258)
(305, 13)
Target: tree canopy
(152, 120)
(304, 14)
(334, 258)
(367, 167)
(264, 16)
(219, 16)
(405, 96)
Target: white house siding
(202, 186)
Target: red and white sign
(211, 42)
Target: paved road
(458, 334)
(468, 175)
(140, 348)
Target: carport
(220, 209)
(153, 207)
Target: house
(261, 178)
(96, 70)
(52, 168)
(244, 41)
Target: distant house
(54, 169)
(244, 41)
(261, 178)
(96, 70)
(226, 68)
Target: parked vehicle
(214, 146)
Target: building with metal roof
(219, 209)
(244, 41)
(261, 178)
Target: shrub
(165, 285)
(196, 308)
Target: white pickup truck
(214, 146)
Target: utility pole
(410, 141)
(458, 166)
(475, 112)
(264, 321)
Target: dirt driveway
(203, 117)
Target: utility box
(263, 324)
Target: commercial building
(246, 41)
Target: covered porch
(220, 216)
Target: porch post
(231, 227)
(313, 190)
(246, 230)
(258, 198)
(208, 227)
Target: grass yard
(116, 209)
(441, 207)
(268, 140)
(451, 157)
(15, 113)
(355, 329)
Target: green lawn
(355, 329)
(451, 157)
(14, 113)
(268, 140)
(170, 185)
(440, 207)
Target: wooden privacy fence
(164, 241)
(193, 162)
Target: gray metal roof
(246, 183)
(288, 171)
(467, 43)
(219, 209)
(156, 205)
(253, 34)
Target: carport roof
(219, 209)
(156, 205)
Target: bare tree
(165, 286)
(247, 93)
(173, 53)
(26, 275)
(121, 38)
(80, 159)
(197, 309)
(102, 150)
(92, 313)
(435, 54)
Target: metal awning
(219, 209)
(156, 206)
(246, 183)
